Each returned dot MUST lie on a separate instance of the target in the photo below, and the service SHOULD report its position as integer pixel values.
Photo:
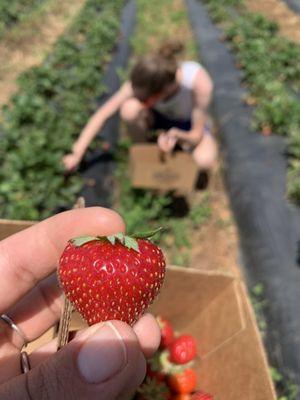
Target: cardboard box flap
(241, 362)
(213, 301)
(9, 227)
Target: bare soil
(28, 43)
(215, 244)
(278, 11)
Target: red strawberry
(183, 349)
(202, 396)
(183, 382)
(167, 332)
(114, 277)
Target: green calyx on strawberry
(151, 389)
(154, 369)
(112, 277)
(168, 367)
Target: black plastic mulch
(255, 174)
(98, 166)
(294, 5)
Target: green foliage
(146, 208)
(259, 305)
(220, 10)
(271, 70)
(287, 390)
(13, 11)
(137, 206)
(201, 212)
(49, 110)
(152, 389)
(158, 21)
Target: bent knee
(130, 110)
(206, 156)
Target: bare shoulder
(202, 81)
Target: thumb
(104, 362)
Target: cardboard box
(214, 308)
(9, 227)
(151, 169)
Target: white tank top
(180, 106)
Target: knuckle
(44, 383)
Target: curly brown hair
(152, 73)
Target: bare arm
(99, 118)
(203, 88)
(94, 125)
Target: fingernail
(103, 355)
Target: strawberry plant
(48, 112)
(12, 11)
(270, 65)
(136, 205)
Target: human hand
(105, 361)
(174, 133)
(166, 142)
(71, 161)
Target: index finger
(32, 254)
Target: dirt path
(278, 11)
(28, 43)
(215, 244)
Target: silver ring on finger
(25, 363)
(6, 318)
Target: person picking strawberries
(165, 95)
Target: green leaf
(81, 240)
(120, 236)
(131, 243)
(111, 239)
(147, 235)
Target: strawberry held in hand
(113, 277)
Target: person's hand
(71, 161)
(174, 133)
(103, 362)
(166, 142)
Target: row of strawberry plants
(50, 108)
(271, 72)
(13, 11)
